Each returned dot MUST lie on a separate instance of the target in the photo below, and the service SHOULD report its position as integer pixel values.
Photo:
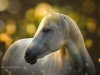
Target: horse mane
(60, 55)
(74, 45)
(70, 30)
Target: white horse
(56, 49)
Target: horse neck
(55, 62)
(60, 55)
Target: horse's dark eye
(46, 30)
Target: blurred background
(20, 19)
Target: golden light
(74, 15)
(88, 6)
(91, 25)
(5, 38)
(99, 60)
(40, 10)
(11, 28)
(29, 15)
(31, 29)
(88, 43)
(55, 9)
(4, 5)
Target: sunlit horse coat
(71, 59)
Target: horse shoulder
(14, 48)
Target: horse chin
(31, 61)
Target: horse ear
(52, 12)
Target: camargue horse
(57, 48)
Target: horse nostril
(30, 57)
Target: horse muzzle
(30, 57)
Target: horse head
(55, 32)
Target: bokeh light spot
(99, 60)
(31, 29)
(5, 38)
(91, 25)
(88, 6)
(4, 4)
(11, 28)
(30, 15)
(88, 43)
(40, 10)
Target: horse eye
(46, 30)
